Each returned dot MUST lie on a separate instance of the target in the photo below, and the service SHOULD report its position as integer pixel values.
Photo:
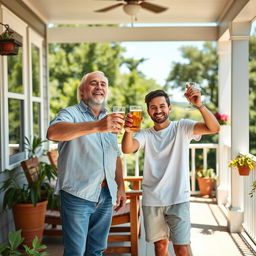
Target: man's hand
(128, 122)
(193, 96)
(111, 123)
(121, 200)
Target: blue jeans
(85, 224)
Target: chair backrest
(53, 158)
(126, 224)
(30, 167)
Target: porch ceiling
(82, 11)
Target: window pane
(16, 126)
(36, 119)
(15, 72)
(35, 71)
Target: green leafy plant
(36, 248)
(15, 240)
(209, 173)
(33, 192)
(243, 160)
(7, 34)
(34, 147)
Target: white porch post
(240, 32)
(224, 76)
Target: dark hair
(157, 93)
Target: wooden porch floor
(209, 234)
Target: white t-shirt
(166, 163)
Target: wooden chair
(52, 217)
(126, 225)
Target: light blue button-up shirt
(85, 161)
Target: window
(16, 128)
(15, 107)
(35, 70)
(16, 99)
(36, 83)
(36, 119)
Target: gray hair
(83, 82)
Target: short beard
(96, 105)
(160, 121)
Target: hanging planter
(244, 163)
(8, 45)
(244, 170)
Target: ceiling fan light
(131, 9)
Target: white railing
(193, 151)
(205, 147)
(250, 207)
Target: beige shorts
(167, 222)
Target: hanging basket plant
(8, 45)
(244, 163)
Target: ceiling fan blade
(109, 8)
(153, 7)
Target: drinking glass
(119, 110)
(193, 85)
(136, 112)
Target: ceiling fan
(132, 7)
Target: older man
(90, 177)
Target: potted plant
(28, 201)
(34, 147)
(206, 181)
(244, 163)
(15, 240)
(8, 45)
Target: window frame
(29, 37)
(37, 40)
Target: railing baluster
(193, 170)
(137, 171)
(205, 151)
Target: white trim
(35, 10)
(13, 95)
(125, 34)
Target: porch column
(224, 77)
(240, 33)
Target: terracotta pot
(206, 186)
(30, 220)
(244, 170)
(9, 47)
